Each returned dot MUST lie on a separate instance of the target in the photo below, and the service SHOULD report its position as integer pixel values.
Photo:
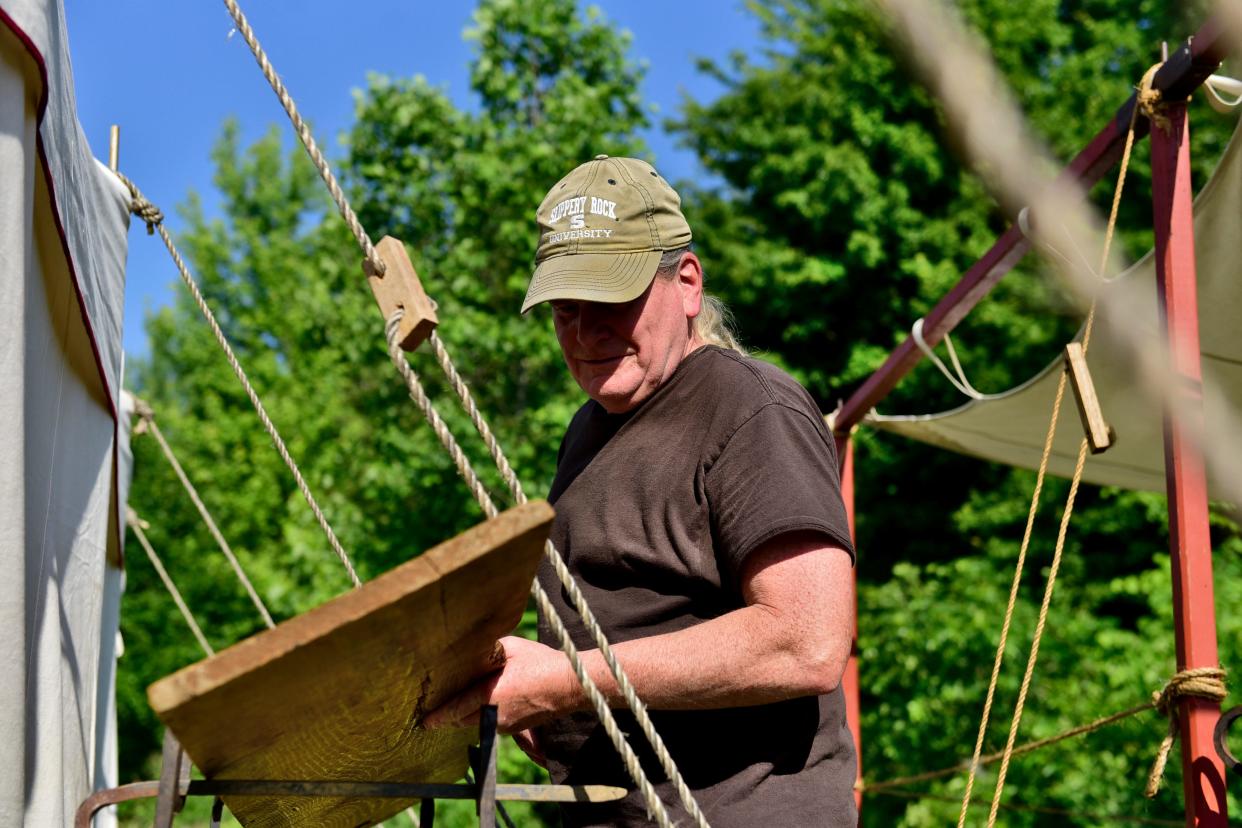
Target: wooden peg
(1099, 436)
(114, 147)
(399, 287)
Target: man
(699, 508)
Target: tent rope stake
(141, 206)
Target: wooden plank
(1099, 435)
(400, 287)
(339, 692)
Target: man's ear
(690, 282)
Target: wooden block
(1099, 435)
(339, 692)
(400, 287)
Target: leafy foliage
(840, 216)
(836, 213)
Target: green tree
(283, 277)
(838, 215)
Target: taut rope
(308, 141)
(419, 396)
(1203, 683)
(147, 423)
(136, 523)
(562, 572)
(154, 218)
(1145, 103)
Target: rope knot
(131, 517)
(140, 206)
(144, 414)
(1150, 101)
(1199, 683)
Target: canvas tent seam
(54, 204)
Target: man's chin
(615, 397)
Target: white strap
(1024, 224)
(1217, 86)
(959, 381)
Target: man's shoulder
(754, 382)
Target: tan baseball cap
(602, 229)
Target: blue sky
(169, 72)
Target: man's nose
(594, 323)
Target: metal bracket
(1222, 730)
(174, 781)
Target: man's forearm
(750, 656)
(792, 638)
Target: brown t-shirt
(656, 510)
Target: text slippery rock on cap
(602, 229)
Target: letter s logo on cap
(577, 222)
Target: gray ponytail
(714, 324)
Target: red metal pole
(1194, 614)
(849, 682)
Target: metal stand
(174, 785)
(174, 782)
(1221, 731)
(483, 758)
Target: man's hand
(534, 685)
(528, 741)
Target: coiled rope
(1200, 683)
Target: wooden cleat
(400, 288)
(1099, 435)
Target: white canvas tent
(63, 457)
(1010, 427)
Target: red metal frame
(1194, 613)
(1182, 73)
(849, 681)
(1195, 623)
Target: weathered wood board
(339, 692)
